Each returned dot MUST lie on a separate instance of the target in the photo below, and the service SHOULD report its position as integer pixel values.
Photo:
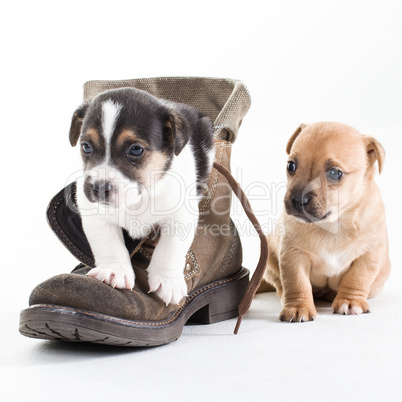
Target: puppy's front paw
(350, 306)
(299, 313)
(171, 289)
(117, 276)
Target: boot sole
(215, 302)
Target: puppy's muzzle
(300, 204)
(102, 190)
(99, 190)
(300, 201)
(306, 206)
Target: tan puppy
(331, 240)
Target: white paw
(117, 276)
(171, 289)
(350, 306)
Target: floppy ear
(76, 123)
(375, 152)
(293, 138)
(179, 130)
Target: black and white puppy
(144, 158)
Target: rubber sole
(215, 302)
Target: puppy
(335, 242)
(143, 158)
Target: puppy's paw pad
(350, 306)
(116, 277)
(170, 289)
(298, 313)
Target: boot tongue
(65, 221)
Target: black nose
(102, 189)
(299, 201)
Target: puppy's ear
(178, 130)
(293, 138)
(76, 123)
(375, 152)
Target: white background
(303, 61)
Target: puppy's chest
(143, 219)
(138, 226)
(332, 263)
(168, 211)
(328, 267)
(334, 256)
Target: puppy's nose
(102, 189)
(299, 201)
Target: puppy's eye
(86, 148)
(291, 167)
(135, 153)
(334, 174)
(136, 150)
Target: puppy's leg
(113, 265)
(271, 280)
(355, 285)
(298, 303)
(165, 272)
(382, 276)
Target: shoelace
(256, 279)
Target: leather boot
(75, 307)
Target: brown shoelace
(256, 279)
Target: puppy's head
(128, 139)
(330, 166)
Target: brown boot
(75, 307)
